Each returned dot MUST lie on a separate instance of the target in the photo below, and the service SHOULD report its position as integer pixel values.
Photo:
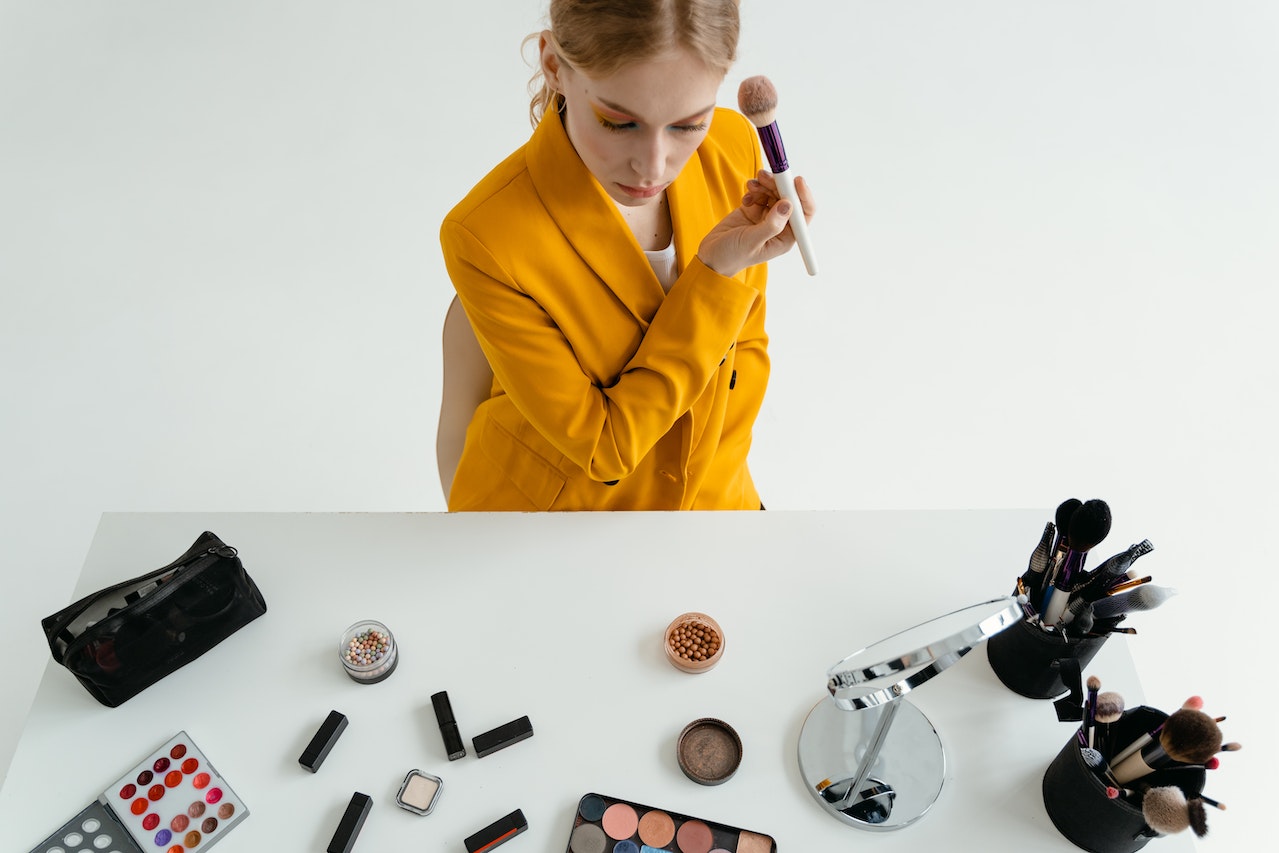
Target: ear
(552, 66)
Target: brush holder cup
(1024, 658)
(868, 756)
(1075, 795)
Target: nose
(649, 158)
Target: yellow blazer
(608, 393)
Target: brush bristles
(1191, 737)
(1198, 818)
(1094, 683)
(1064, 511)
(1110, 707)
(1089, 525)
(757, 99)
(1165, 810)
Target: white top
(559, 617)
(663, 263)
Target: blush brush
(1167, 811)
(757, 99)
(1188, 736)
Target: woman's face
(636, 128)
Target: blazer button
(732, 381)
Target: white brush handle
(798, 224)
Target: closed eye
(614, 126)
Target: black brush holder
(1024, 658)
(1075, 795)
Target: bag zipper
(190, 560)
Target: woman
(612, 271)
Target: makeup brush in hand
(757, 99)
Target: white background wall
(1048, 235)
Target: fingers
(806, 199)
(762, 191)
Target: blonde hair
(599, 37)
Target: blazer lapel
(590, 221)
(691, 213)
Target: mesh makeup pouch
(122, 639)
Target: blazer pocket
(536, 479)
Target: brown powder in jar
(694, 641)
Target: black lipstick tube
(448, 726)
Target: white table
(559, 617)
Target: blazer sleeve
(606, 429)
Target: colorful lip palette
(609, 825)
(172, 802)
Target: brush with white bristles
(757, 99)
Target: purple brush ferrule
(771, 138)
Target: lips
(642, 192)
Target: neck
(650, 223)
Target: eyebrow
(621, 112)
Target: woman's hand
(758, 230)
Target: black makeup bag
(122, 639)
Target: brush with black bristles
(1088, 526)
(757, 99)
(1090, 710)
(1187, 737)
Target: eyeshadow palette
(609, 825)
(172, 802)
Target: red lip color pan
(175, 800)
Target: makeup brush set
(1131, 774)
(1069, 610)
(1058, 594)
